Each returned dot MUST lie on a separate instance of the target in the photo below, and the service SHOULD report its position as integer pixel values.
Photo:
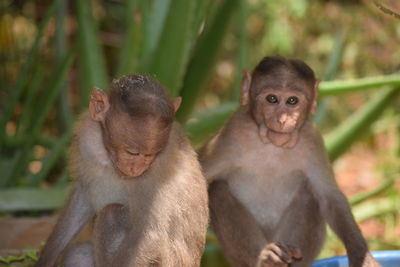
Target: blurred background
(53, 52)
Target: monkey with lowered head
(139, 179)
(272, 188)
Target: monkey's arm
(74, 216)
(240, 235)
(336, 211)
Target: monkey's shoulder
(179, 137)
(90, 165)
(311, 141)
(238, 131)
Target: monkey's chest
(104, 188)
(267, 190)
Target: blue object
(385, 258)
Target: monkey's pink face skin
(133, 147)
(282, 111)
(132, 160)
(132, 164)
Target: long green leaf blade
(25, 72)
(350, 130)
(91, 60)
(28, 111)
(49, 98)
(379, 207)
(154, 23)
(64, 108)
(330, 73)
(53, 90)
(363, 196)
(20, 199)
(204, 58)
(241, 59)
(49, 162)
(201, 8)
(203, 124)
(347, 86)
(130, 46)
(171, 56)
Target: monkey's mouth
(288, 130)
(126, 174)
(285, 128)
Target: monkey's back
(168, 203)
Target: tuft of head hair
(141, 96)
(280, 66)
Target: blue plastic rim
(385, 258)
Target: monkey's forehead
(282, 85)
(140, 134)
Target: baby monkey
(272, 188)
(138, 178)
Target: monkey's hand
(278, 255)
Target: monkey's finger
(282, 251)
(270, 258)
(295, 253)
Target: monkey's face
(281, 111)
(133, 147)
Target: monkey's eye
(292, 100)
(273, 99)
(132, 153)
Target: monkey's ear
(245, 88)
(177, 103)
(98, 105)
(314, 104)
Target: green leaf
(131, 42)
(335, 57)
(330, 73)
(202, 6)
(92, 65)
(65, 118)
(7, 168)
(27, 69)
(243, 47)
(49, 162)
(19, 199)
(154, 21)
(376, 208)
(49, 98)
(52, 91)
(347, 86)
(361, 197)
(30, 103)
(203, 58)
(203, 124)
(338, 141)
(172, 53)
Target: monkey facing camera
(272, 188)
(136, 177)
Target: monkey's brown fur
(158, 218)
(265, 196)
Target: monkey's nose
(282, 118)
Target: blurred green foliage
(54, 54)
